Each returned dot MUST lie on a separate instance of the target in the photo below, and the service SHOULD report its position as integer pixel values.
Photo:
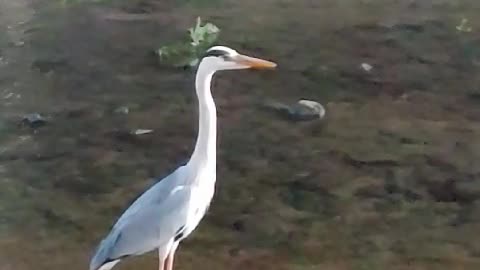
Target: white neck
(204, 154)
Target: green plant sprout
(187, 53)
(463, 26)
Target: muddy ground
(390, 179)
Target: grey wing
(151, 222)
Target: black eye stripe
(216, 53)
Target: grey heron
(171, 209)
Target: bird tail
(108, 265)
(102, 259)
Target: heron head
(224, 58)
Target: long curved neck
(204, 154)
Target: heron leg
(161, 264)
(161, 259)
(169, 260)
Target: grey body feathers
(151, 222)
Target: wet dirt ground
(390, 179)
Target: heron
(170, 210)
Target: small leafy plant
(464, 26)
(187, 53)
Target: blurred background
(389, 178)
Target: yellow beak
(253, 62)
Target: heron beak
(253, 62)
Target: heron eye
(226, 57)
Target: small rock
(142, 131)
(34, 120)
(19, 43)
(239, 226)
(122, 109)
(367, 67)
(303, 110)
(9, 95)
(310, 108)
